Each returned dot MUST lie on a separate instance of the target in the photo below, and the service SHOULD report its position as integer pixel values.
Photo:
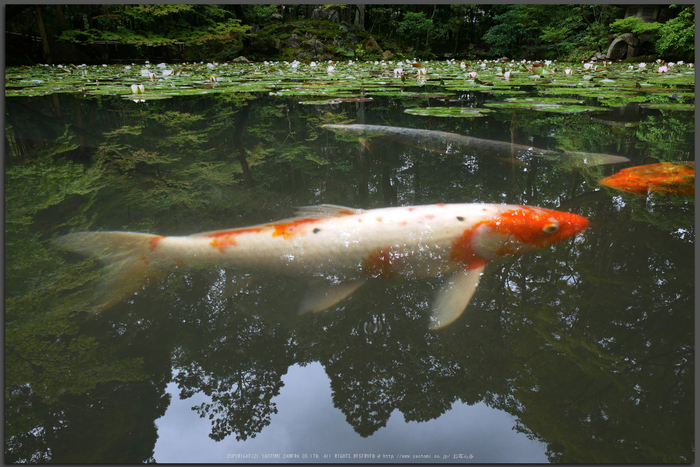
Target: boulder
(617, 50)
(325, 14)
(386, 54)
(371, 44)
(267, 45)
(315, 45)
(293, 41)
(240, 59)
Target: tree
(678, 34)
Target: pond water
(579, 352)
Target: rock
(353, 39)
(386, 54)
(293, 41)
(617, 50)
(240, 59)
(371, 44)
(630, 39)
(267, 45)
(315, 45)
(325, 14)
(276, 17)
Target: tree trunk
(42, 33)
(238, 10)
(427, 35)
(456, 40)
(360, 17)
(242, 121)
(59, 17)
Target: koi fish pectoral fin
(453, 297)
(322, 297)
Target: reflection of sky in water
(307, 423)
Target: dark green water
(586, 348)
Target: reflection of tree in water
(237, 361)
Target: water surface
(582, 352)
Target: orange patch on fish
(381, 263)
(287, 229)
(664, 177)
(462, 251)
(223, 240)
(153, 243)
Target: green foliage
(504, 37)
(259, 13)
(634, 25)
(414, 27)
(678, 34)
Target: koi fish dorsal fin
(303, 214)
(325, 210)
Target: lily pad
(670, 106)
(448, 112)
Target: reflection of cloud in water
(307, 423)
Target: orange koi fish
(664, 177)
(343, 247)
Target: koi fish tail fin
(129, 264)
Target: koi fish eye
(550, 228)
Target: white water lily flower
(631, 67)
(463, 65)
(127, 67)
(147, 61)
(312, 64)
(690, 65)
(330, 69)
(398, 72)
(587, 66)
(642, 65)
(567, 71)
(680, 62)
(547, 62)
(663, 69)
(658, 60)
(145, 72)
(212, 79)
(161, 65)
(472, 75)
(422, 71)
(104, 65)
(670, 64)
(152, 76)
(506, 75)
(210, 65)
(167, 72)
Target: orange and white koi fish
(343, 247)
(676, 178)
